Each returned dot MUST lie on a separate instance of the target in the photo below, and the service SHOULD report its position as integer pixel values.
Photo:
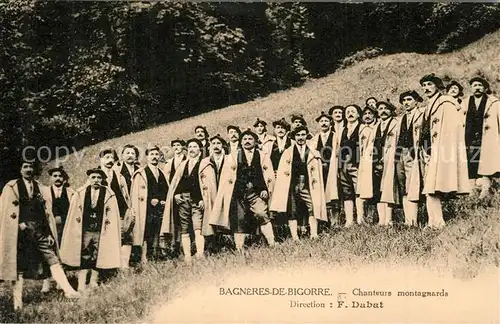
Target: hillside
(382, 77)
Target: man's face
(260, 129)
(153, 157)
(368, 116)
(477, 88)
(129, 155)
(454, 91)
(199, 133)
(193, 149)
(384, 112)
(233, 135)
(351, 114)
(95, 180)
(108, 160)
(429, 88)
(409, 103)
(177, 147)
(57, 179)
(280, 131)
(338, 115)
(248, 142)
(324, 124)
(372, 103)
(27, 170)
(297, 122)
(301, 137)
(216, 146)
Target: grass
(468, 245)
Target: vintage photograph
(227, 162)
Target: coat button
(233, 167)
(486, 127)
(287, 173)
(202, 176)
(230, 181)
(78, 219)
(434, 135)
(13, 216)
(264, 167)
(205, 188)
(141, 198)
(486, 116)
(269, 180)
(143, 187)
(288, 161)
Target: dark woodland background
(75, 73)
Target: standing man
(91, 238)
(266, 140)
(442, 150)
(455, 90)
(405, 154)
(246, 185)
(28, 234)
(338, 121)
(482, 134)
(201, 133)
(60, 196)
(172, 164)
(233, 133)
(118, 184)
(298, 120)
(385, 141)
(185, 202)
(282, 141)
(349, 158)
(130, 164)
(148, 195)
(364, 201)
(299, 184)
(371, 102)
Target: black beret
(197, 141)
(258, 121)
(283, 123)
(108, 150)
(410, 93)
(336, 107)
(323, 114)
(236, 128)
(249, 132)
(136, 150)
(178, 140)
(482, 80)
(387, 103)
(299, 129)
(223, 141)
(434, 79)
(97, 170)
(58, 169)
(455, 83)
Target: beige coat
(446, 171)
(490, 144)
(332, 181)
(138, 197)
(9, 226)
(266, 145)
(220, 212)
(108, 256)
(208, 185)
(279, 201)
(365, 170)
(387, 186)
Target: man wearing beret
(186, 200)
(233, 134)
(384, 147)
(118, 184)
(130, 164)
(405, 155)
(482, 134)
(367, 129)
(299, 185)
(441, 149)
(265, 140)
(92, 235)
(245, 187)
(61, 194)
(282, 141)
(148, 194)
(28, 234)
(172, 164)
(455, 90)
(338, 118)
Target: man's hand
(58, 220)
(162, 202)
(201, 205)
(264, 195)
(178, 199)
(22, 226)
(154, 202)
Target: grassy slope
(466, 246)
(382, 77)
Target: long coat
(490, 144)
(108, 255)
(220, 211)
(167, 169)
(266, 145)
(208, 185)
(414, 190)
(447, 170)
(279, 201)
(365, 170)
(139, 197)
(332, 181)
(9, 226)
(387, 185)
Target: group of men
(362, 161)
